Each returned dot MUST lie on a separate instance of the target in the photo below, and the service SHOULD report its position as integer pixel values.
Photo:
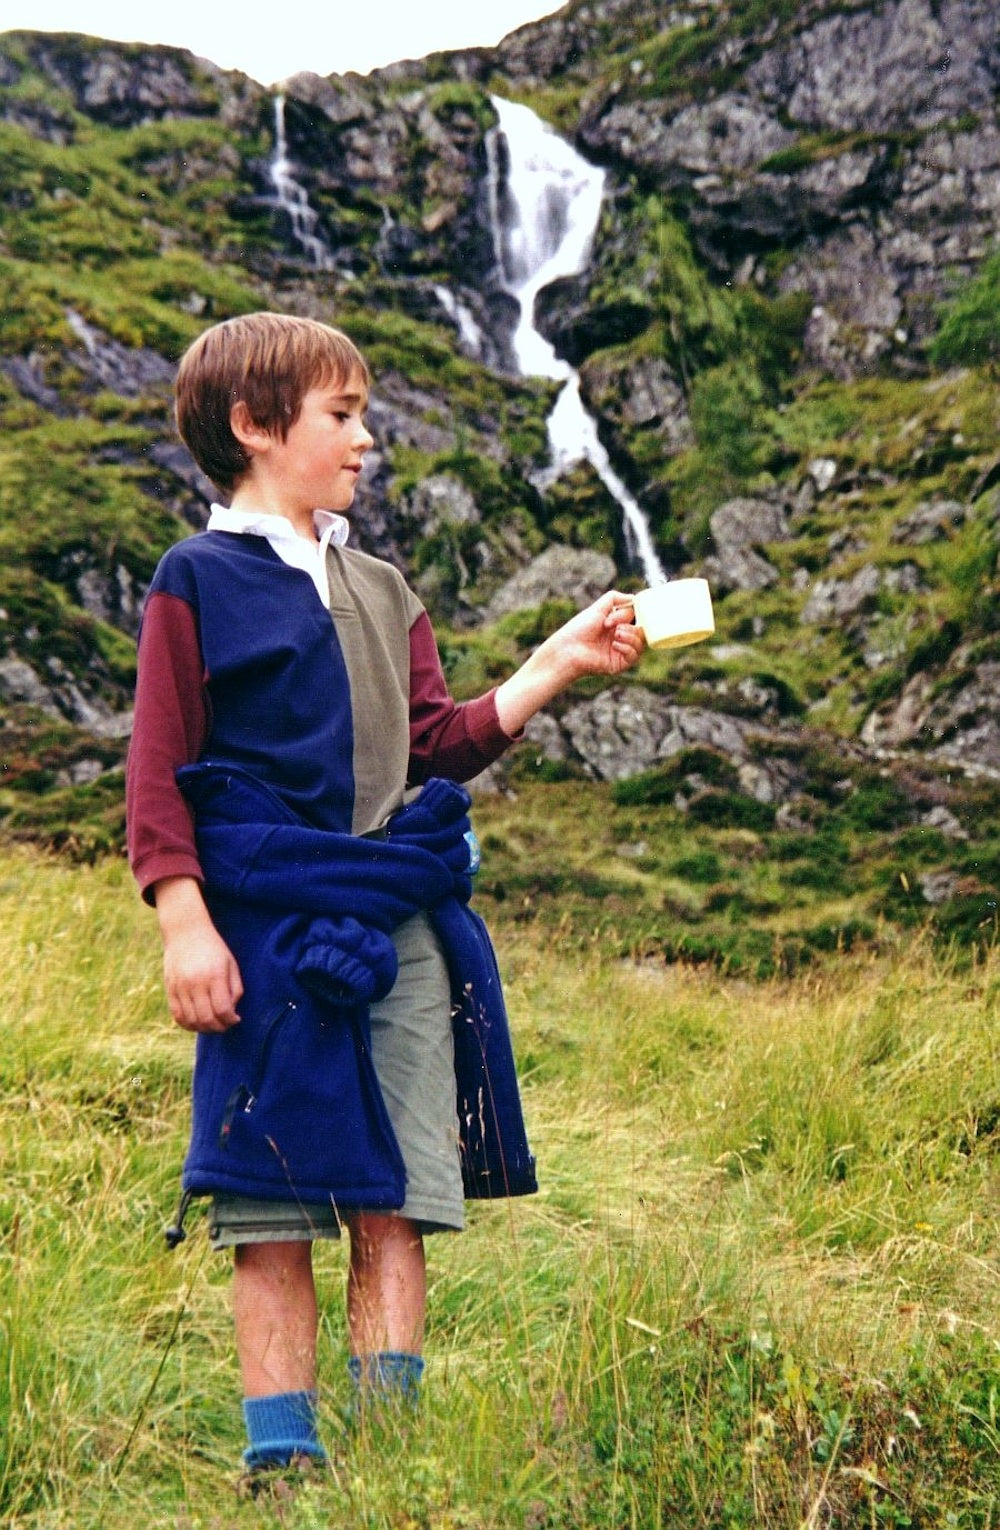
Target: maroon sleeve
(171, 725)
(447, 738)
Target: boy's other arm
(202, 978)
(171, 724)
(600, 640)
(170, 729)
(459, 739)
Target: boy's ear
(251, 436)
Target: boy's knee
(373, 1235)
(274, 1261)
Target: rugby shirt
(337, 710)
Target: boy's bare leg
(274, 1310)
(386, 1285)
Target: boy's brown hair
(270, 361)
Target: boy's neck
(250, 502)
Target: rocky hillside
(787, 334)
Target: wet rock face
(730, 134)
(864, 144)
(129, 371)
(98, 364)
(575, 574)
(639, 394)
(60, 697)
(834, 599)
(909, 64)
(442, 501)
(740, 528)
(124, 86)
(412, 166)
(932, 521)
(957, 725)
(111, 597)
(623, 732)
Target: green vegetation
(970, 329)
(96, 223)
(733, 349)
(757, 1286)
(679, 864)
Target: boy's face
(318, 465)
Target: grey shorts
(413, 1053)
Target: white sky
(271, 42)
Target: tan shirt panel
(373, 610)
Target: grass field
(759, 1286)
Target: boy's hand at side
(202, 979)
(600, 640)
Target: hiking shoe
(280, 1482)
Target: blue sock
(391, 1375)
(279, 1427)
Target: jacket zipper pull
(175, 1233)
(240, 1099)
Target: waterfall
(469, 333)
(544, 215)
(292, 198)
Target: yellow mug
(674, 614)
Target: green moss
(813, 148)
(732, 350)
(728, 411)
(526, 629)
(661, 784)
(822, 872)
(704, 866)
(184, 280)
(455, 98)
(31, 316)
(730, 809)
(58, 499)
(875, 805)
(969, 334)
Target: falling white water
(292, 198)
(544, 215)
(463, 318)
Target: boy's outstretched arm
(600, 640)
(202, 978)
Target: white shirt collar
(292, 549)
(264, 523)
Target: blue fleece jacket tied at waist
(286, 1105)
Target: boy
(273, 655)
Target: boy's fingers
(222, 1004)
(177, 1005)
(186, 1011)
(207, 1008)
(235, 983)
(620, 613)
